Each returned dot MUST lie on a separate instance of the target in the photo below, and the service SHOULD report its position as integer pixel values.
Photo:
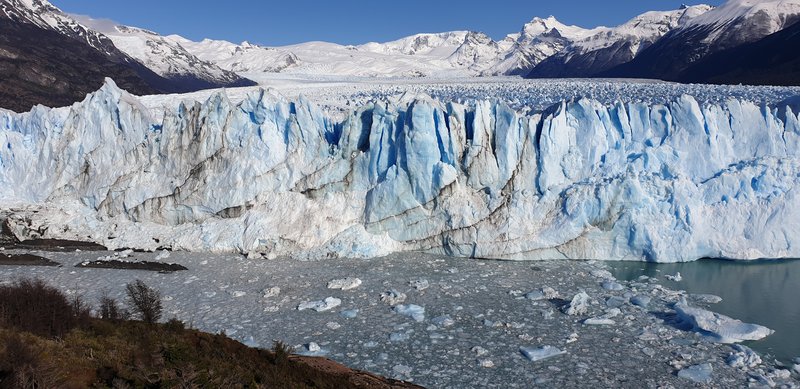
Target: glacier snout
(632, 181)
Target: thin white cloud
(101, 25)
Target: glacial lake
(763, 292)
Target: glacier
(277, 177)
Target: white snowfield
(581, 179)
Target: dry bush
(33, 306)
(145, 301)
(110, 309)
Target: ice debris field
(445, 322)
(637, 171)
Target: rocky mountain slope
(42, 66)
(47, 57)
(605, 48)
(735, 23)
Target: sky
(276, 23)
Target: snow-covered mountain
(46, 16)
(52, 58)
(735, 23)
(636, 181)
(48, 58)
(454, 53)
(241, 58)
(538, 40)
(162, 55)
(604, 48)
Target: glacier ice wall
(631, 181)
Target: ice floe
(320, 306)
(719, 327)
(535, 354)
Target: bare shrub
(145, 301)
(110, 309)
(33, 306)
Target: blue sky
(351, 21)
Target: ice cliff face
(630, 181)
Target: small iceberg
(540, 353)
(720, 328)
(415, 312)
(320, 306)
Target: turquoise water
(762, 292)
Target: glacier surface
(582, 179)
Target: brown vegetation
(48, 341)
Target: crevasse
(631, 181)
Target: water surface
(762, 292)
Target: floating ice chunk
(743, 357)
(272, 292)
(602, 273)
(238, 293)
(320, 306)
(443, 321)
(605, 319)
(480, 351)
(762, 379)
(415, 312)
(545, 293)
(124, 253)
(573, 337)
(250, 342)
(578, 306)
(616, 301)
(705, 298)
(549, 293)
(349, 314)
(398, 337)
(719, 327)
(641, 300)
(402, 370)
(486, 363)
(344, 283)
(419, 284)
(677, 277)
(697, 373)
(313, 349)
(333, 325)
(393, 297)
(540, 353)
(535, 295)
(612, 285)
(162, 255)
(796, 368)
(781, 374)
